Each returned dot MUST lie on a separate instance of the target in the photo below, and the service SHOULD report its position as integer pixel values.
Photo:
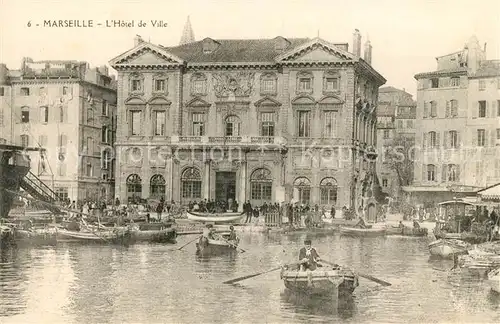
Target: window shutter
(443, 173)
(65, 114)
(474, 137)
(446, 139)
(475, 109)
(448, 109)
(438, 141)
(424, 173)
(426, 109)
(457, 174)
(493, 109)
(459, 143)
(424, 140)
(493, 137)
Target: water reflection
(13, 266)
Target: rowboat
(167, 235)
(406, 231)
(448, 248)
(40, 236)
(331, 281)
(107, 236)
(356, 231)
(494, 280)
(206, 246)
(216, 218)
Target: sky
(406, 35)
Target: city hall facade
(266, 120)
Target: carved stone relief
(238, 84)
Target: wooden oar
(187, 244)
(232, 281)
(372, 278)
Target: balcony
(225, 139)
(321, 141)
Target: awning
(491, 193)
(425, 189)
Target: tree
(399, 157)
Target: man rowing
(308, 257)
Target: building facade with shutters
(396, 115)
(458, 125)
(69, 109)
(266, 120)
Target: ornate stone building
(265, 120)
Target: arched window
(328, 189)
(25, 114)
(232, 126)
(134, 186)
(157, 186)
(432, 139)
(261, 184)
(191, 184)
(302, 190)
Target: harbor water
(75, 283)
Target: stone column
(206, 181)
(243, 185)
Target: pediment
(197, 102)
(304, 100)
(317, 50)
(267, 101)
(159, 100)
(331, 100)
(146, 54)
(135, 101)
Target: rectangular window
(159, 85)
(482, 109)
(269, 86)
(136, 85)
(105, 159)
(431, 173)
(453, 137)
(191, 189)
(25, 140)
(135, 123)
(2, 91)
(482, 85)
(330, 124)
(198, 124)
(44, 114)
(332, 84)
(1, 118)
(455, 82)
(481, 137)
(104, 108)
(90, 146)
(62, 114)
(433, 109)
(261, 190)
(267, 124)
(384, 183)
(66, 91)
(454, 108)
(386, 133)
(25, 115)
(62, 193)
(25, 91)
(435, 83)
(304, 84)
(199, 86)
(159, 123)
(498, 108)
(88, 170)
(104, 134)
(304, 123)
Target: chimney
(356, 44)
(138, 40)
(368, 52)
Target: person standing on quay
(159, 208)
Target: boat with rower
(445, 248)
(334, 281)
(357, 231)
(216, 245)
(214, 218)
(406, 231)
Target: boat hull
(109, 236)
(214, 247)
(215, 218)
(331, 282)
(407, 231)
(494, 280)
(354, 231)
(447, 248)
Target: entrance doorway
(225, 186)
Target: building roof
(488, 68)
(234, 50)
(389, 89)
(386, 109)
(447, 72)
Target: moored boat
(116, 236)
(406, 231)
(447, 248)
(494, 280)
(206, 246)
(356, 231)
(331, 281)
(215, 218)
